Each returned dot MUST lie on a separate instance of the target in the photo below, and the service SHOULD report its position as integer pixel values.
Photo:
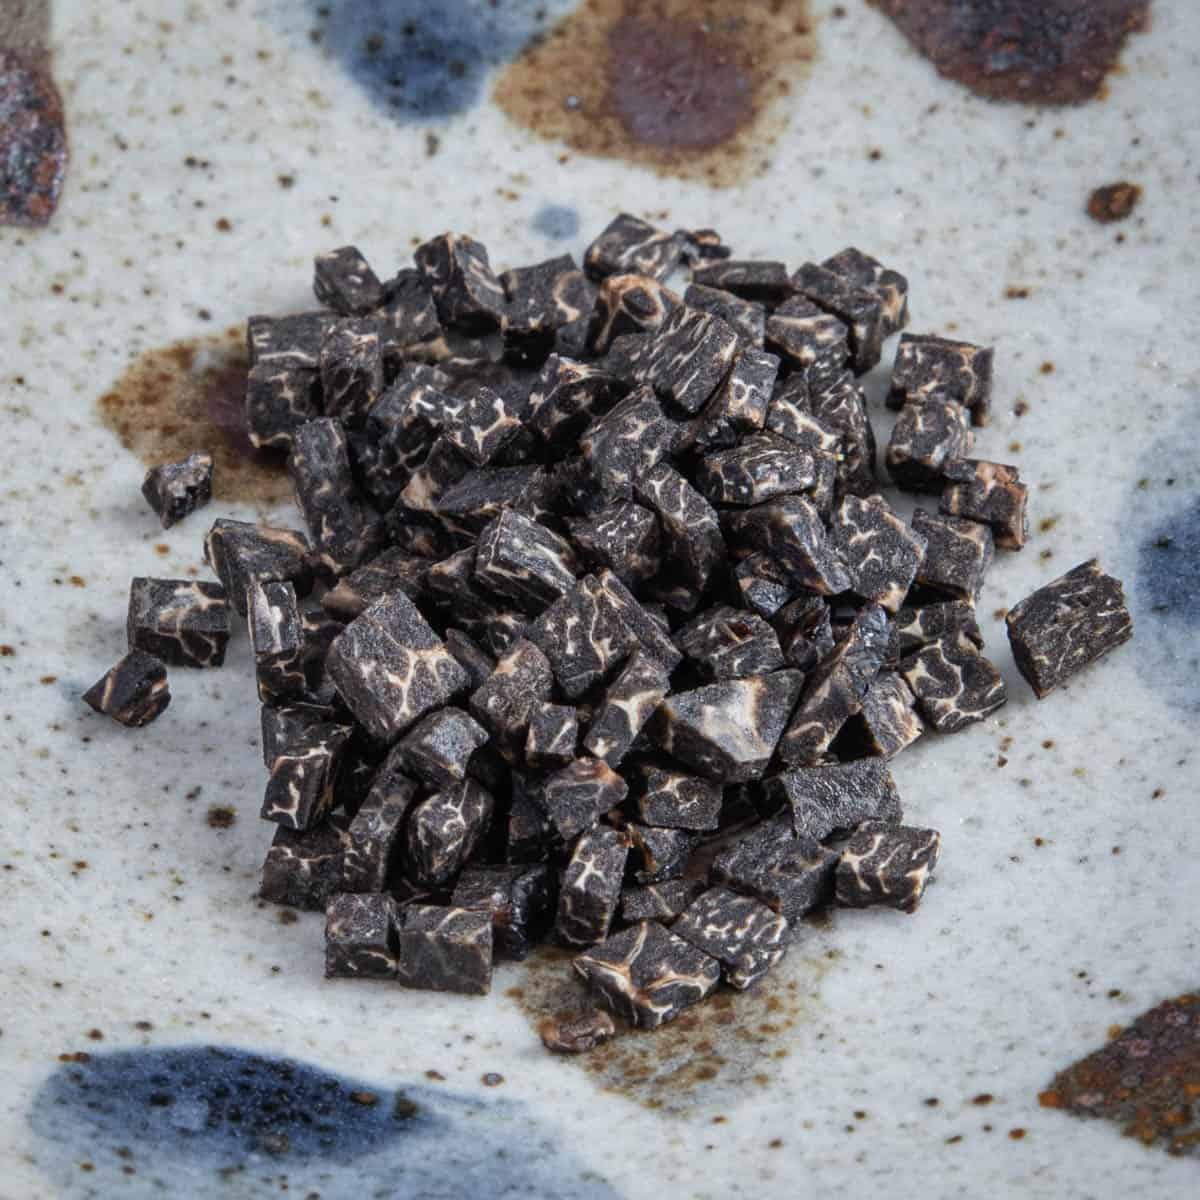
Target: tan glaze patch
(693, 90)
(190, 396)
(732, 1041)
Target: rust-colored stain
(1034, 51)
(190, 396)
(1147, 1079)
(731, 1042)
(1114, 202)
(33, 139)
(693, 90)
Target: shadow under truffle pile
(598, 572)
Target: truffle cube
(134, 691)
(443, 467)
(859, 308)
(474, 660)
(841, 405)
(439, 747)
(661, 902)
(406, 420)
(724, 643)
(742, 934)
(407, 319)
(628, 703)
(992, 494)
(300, 790)
(351, 370)
(746, 317)
(360, 936)
(836, 796)
(917, 627)
(1067, 624)
(478, 498)
(628, 304)
(880, 551)
(553, 733)
(290, 341)
(647, 975)
(623, 537)
(373, 839)
(390, 667)
(691, 533)
(465, 288)
(630, 244)
(627, 441)
(689, 356)
(957, 555)
(546, 297)
(728, 731)
(954, 684)
(481, 423)
(648, 627)
(789, 415)
(930, 434)
(957, 371)
(279, 399)
(789, 530)
(805, 631)
(568, 396)
(503, 704)
(868, 274)
(524, 561)
(738, 406)
(518, 899)
(445, 830)
(280, 724)
(183, 622)
(303, 868)
(673, 799)
(393, 570)
(591, 887)
(835, 690)
(889, 719)
(277, 642)
(791, 874)
(445, 950)
(242, 553)
(756, 470)
(343, 280)
(763, 588)
(886, 865)
(174, 490)
(762, 281)
(575, 797)
(659, 853)
(808, 339)
(529, 833)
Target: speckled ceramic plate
(153, 1011)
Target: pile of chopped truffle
(598, 574)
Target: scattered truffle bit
(577, 1035)
(134, 691)
(343, 280)
(886, 865)
(175, 490)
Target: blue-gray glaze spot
(421, 61)
(216, 1121)
(557, 221)
(1168, 578)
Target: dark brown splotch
(693, 90)
(730, 1042)
(1147, 1079)
(191, 396)
(1114, 202)
(33, 139)
(1034, 51)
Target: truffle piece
(835, 690)
(407, 418)
(889, 720)
(880, 551)
(445, 950)
(789, 530)
(990, 493)
(575, 797)
(724, 643)
(756, 470)
(343, 280)
(688, 357)
(660, 901)
(805, 631)
(517, 898)
(568, 396)
(300, 791)
(860, 309)
(445, 829)
(764, 589)
(738, 406)
(351, 370)
(647, 975)
(407, 319)
(808, 339)
(174, 490)
(544, 298)
(957, 371)
(290, 341)
(242, 553)
(360, 936)
(134, 691)
(524, 561)
(954, 684)
(660, 853)
(439, 747)
(758, 280)
(390, 667)
(183, 622)
(503, 704)
(647, 627)
(747, 317)
(631, 244)
(465, 289)
(279, 399)
(791, 874)
(303, 868)
(675, 800)
(627, 441)
(277, 642)
(472, 657)
(341, 524)
(529, 833)
(373, 839)
(1067, 624)
(929, 435)
(623, 537)
(886, 865)
(957, 554)
(917, 627)
(280, 725)
(442, 468)
(728, 731)
(628, 304)
(479, 497)
(742, 934)
(836, 796)
(789, 415)
(394, 570)
(480, 424)
(691, 533)
(841, 406)
(591, 887)
(867, 274)
(553, 734)
(577, 1035)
